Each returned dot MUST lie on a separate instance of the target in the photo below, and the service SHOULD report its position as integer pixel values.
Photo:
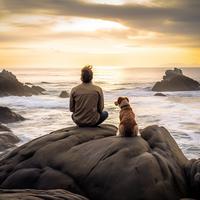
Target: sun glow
(119, 2)
(113, 74)
(86, 25)
(114, 33)
(112, 2)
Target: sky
(120, 33)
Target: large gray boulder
(193, 175)
(10, 86)
(8, 116)
(7, 138)
(39, 195)
(97, 164)
(174, 80)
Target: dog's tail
(127, 132)
(136, 130)
(121, 130)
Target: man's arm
(101, 101)
(71, 102)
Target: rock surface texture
(39, 195)
(97, 164)
(38, 89)
(160, 94)
(174, 80)
(10, 86)
(64, 94)
(7, 138)
(8, 116)
(4, 128)
(193, 175)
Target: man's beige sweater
(86, 103)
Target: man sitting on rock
(87, 101)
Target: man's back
(86, 103)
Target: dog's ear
(127, 99)
(120, 99)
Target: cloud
(172, 19)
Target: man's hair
(87, 74)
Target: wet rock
(27, 83)
(7, 138)
(10, 86)
(38, 88)
(169, 74)
(64, 94)
(8, 116)
(44, 82)
(174, 80)
(193, 177)
(39, 195)
(160, 94)
(4, 128)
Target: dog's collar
(125, 106)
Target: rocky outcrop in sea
(174, 80)
(96, 164)
(160, 94)
(10, 86)
(8, 116)
(7, 138)
(64, 94)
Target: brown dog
(128, 126)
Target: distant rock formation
(10, 86)
(27, 83)
(8, 116)
(45, 82)
(169, 74)
(174, 80)
(39, 195)
(160, 94)
(64, 94)
(7, 138)
(38, 88)
(97, 164)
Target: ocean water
(179, 112)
